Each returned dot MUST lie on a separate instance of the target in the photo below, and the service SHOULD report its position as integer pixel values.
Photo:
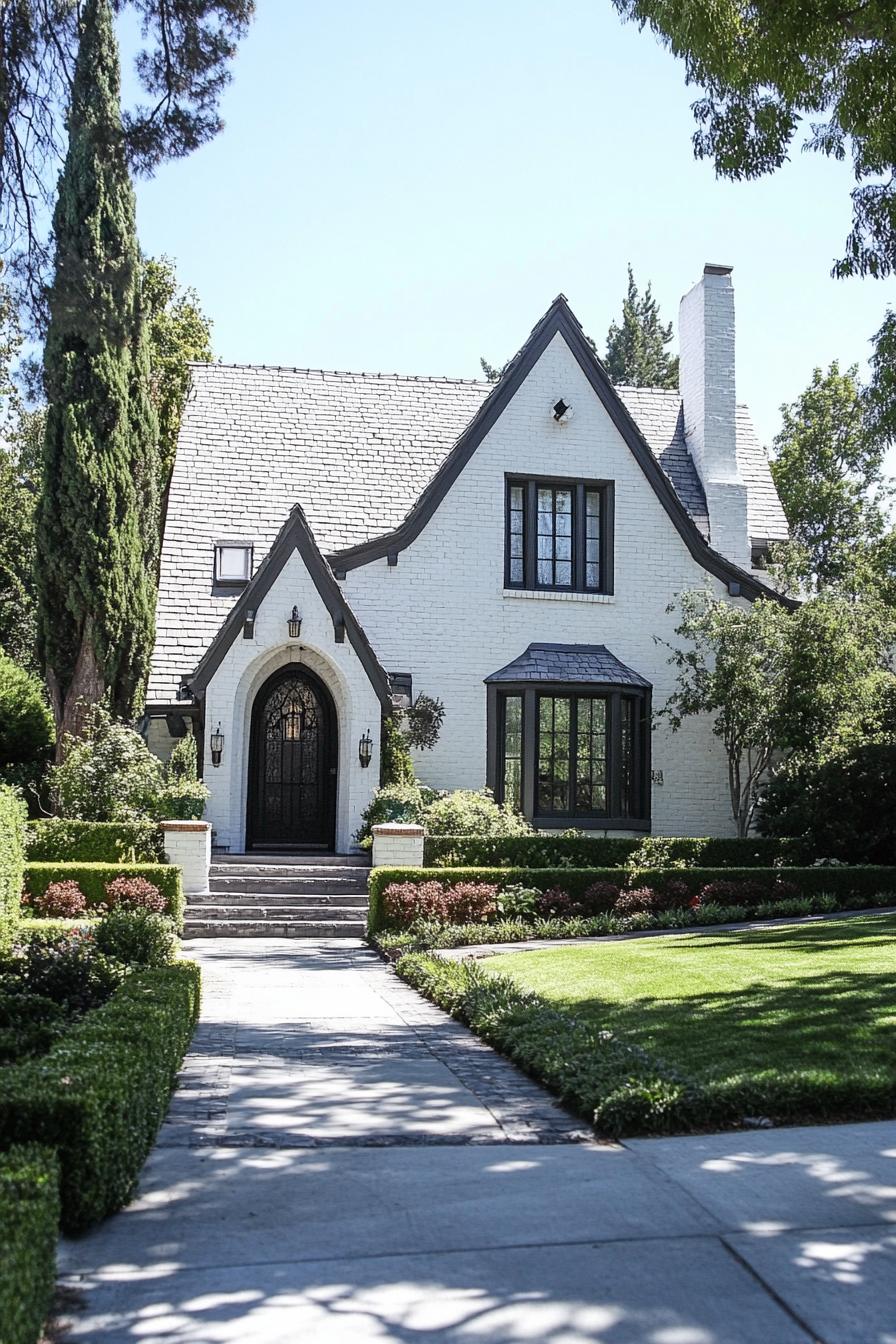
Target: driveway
(344, 1163)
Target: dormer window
(233, 563)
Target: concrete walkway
(343, 1163)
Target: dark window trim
(401, 683)
(530, 692)
(232, 585)
(579, 488)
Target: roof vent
(561, 411)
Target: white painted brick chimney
(706, 381)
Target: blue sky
(405, 186)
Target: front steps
(277, 896)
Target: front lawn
(812, 1003)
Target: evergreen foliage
(97, 524)
(636, 348)
(179, 332)
(26, 725)
(772, 69)
(827, 465)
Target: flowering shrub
(61, 900)
(597, 898)
(724, 892)
(640, 901)
(69, 969)
(555, 903)
(134, 893)
(465, 903)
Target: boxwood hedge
(92, 879)
(29, 1226)
(98, 1097)
(58, 840)
(12, 842)
(843, 883)
(598, 851)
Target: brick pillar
(189, 845)
(397, 845)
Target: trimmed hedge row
(619, 1088)
(29, 1225)
(57, 840)
(598, 851)
(101, 1093)
(12, 858)
(92, 879)
(840, 882)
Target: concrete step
(309, 882)
(290, 860)
(272, 928)
(293, 913)
(351, 899)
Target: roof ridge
(340, 373)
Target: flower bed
(29, 1221)
(101, 885)
(98, 1097)
(589, 892)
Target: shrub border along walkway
(29, 1222)
(98, 1097)
(624, 1091)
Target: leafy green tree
(827, 465)
(771, 69)
(179, 333)
(183, 68)
(26, 724)
(776, 683)
(97, 522)
(636, 347)
(21, 436)
(108, 773)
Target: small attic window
(233, 562)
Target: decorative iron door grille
(292, 769)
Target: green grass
(797, 1002)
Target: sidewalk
(343, 1162)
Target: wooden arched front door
(292, 763)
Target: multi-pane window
(557, 536)
(579, 754)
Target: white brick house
(510, 549)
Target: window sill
(552, 595)
(591, 823)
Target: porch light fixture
(216, 745)
(365, 750)
(294, 624)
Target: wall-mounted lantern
(294, 624)
(365, 750)
(216, 745)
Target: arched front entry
(292, 763)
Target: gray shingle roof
(569, 662)
(355, 450)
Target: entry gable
(295, 535)
(559, 319)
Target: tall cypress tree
(636, 350)
(97, 525)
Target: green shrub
(393, 802)
(396, 766)
(136, 937)
(62, 840)
(101, 1093)
(29, 1024)
(29, 1226)
(70, 970)
(575, 850)
(181, 800)
(26, 724)
(472, 812)
(863, 885)
(12, 858)
(93, 877)
(842, 808)
(108, 775)
(48, 930)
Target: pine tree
(636, 353)
(97, 529)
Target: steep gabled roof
(559, 319)
(295, 535)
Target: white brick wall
(247, 665)
(441, 613)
